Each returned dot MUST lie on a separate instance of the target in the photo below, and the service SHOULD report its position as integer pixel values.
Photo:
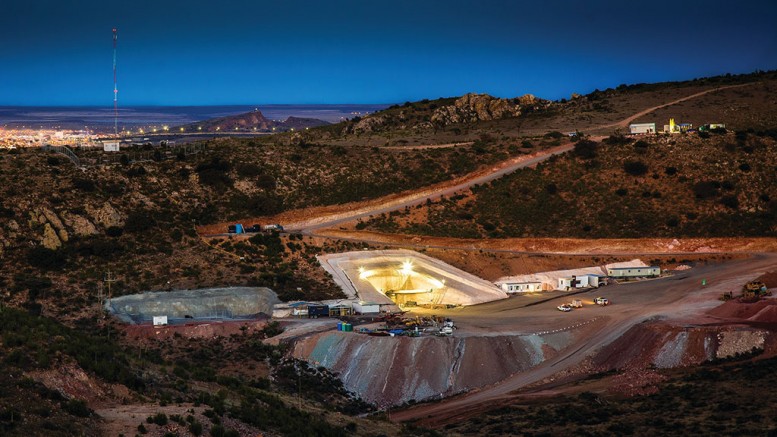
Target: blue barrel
(339, 326)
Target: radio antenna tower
(115, 89)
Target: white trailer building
(633, 272)
(521, 287)
(642, 128)
(578, 281)
(366, 307)
(111, 146)
(160, 320)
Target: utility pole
(109, 279)
(100, 298)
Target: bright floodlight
(407, 267)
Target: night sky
(368, 51)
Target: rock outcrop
(369, 124)
(50, 239)
(106, 216)
(471, 108)
(81, 226)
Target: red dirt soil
(762, 311)
(194, 329)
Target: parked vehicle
(603, 301)
(316, 311)
(275, 227)
(236, 229)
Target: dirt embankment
(644, 246)
(394, 370)
(742, 328)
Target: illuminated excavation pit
(404, 277)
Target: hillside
(706, 401)
(137, 219)
(135, 214)
(666, 186)
(457, 119)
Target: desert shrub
(46, 259)
(621, 192)
(706, 189)
(78, 408)
(52, 160)
(744, 167)
(139, 221)
(635, 168)
(670, 171)
(248, 169)
(266, 182)
(6, 212)
(114, 231)
(82, 184)
(586, 149)
(554, 135)
(135, 171)
(616, 140)
(641, 144)
(730, 201)
(214, 173)
(195, 428)
(551, 188)
(160, 419)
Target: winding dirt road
(680, 298)
(336, 215)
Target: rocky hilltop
(470, 108)
(253, 121)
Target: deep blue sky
(368, 51)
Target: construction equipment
(447, 328)
(755, 289)
(727, 296)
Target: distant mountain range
(253, 121)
